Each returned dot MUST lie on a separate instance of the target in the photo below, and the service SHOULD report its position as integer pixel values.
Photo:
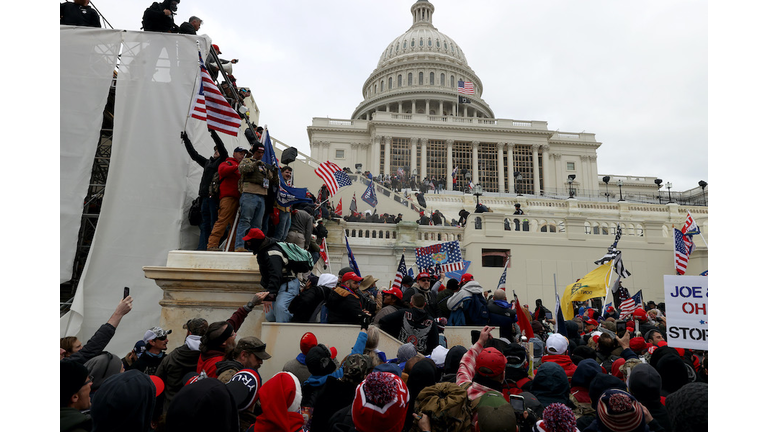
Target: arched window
(390, 83)
(421, 78)
(431, 78)
(405, 44)
(374, 89)
(413, 43)
(421, 42)
(429, 42)
(410, 78)
(382, 85)
(442, 79)
(399, 80)
(453, 83)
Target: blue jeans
(282, 228)
(210, 210)
(252, 208)
(287, 292)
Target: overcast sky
(633, 73)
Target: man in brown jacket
(256, 177)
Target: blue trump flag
(369, 196)
(286, 195)
(352, 262)
(269, 157)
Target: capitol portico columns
(375, 154)
(511, 167)
(414, 160)
(500, 165)
(475, 169)
(423, 142)
(536, 188)
(387, 148)
(545, 165)
(449, 163)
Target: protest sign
(686, 299)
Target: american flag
(503, 279)
(447, 254)
(401, 270)
(353, 204)
(466, 87)
(324, 253)
(683, 249)
(455, 169)
(333, 176)
(627, 304)
(211, 107)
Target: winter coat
(155, 19)
(173, 368)
(551, 385)
(470, 288)
(229, 176)
(125, 402)
(563, 361)
(205, 405)
(210, 165)
(345, 307)
(333, 396)
(304, 305)
(95, 344)
(412, 325)
(645, 385)
(72, 420)
(273, 265)
(77, 15)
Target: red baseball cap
(422, 275)
(307, 342)
(395, 291)
(350, 276)
(590, 321)
(637, 344)
(466, 277)
(640, 314)
(254, 233)
(490, 362)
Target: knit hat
(637, 344)
(452, 284)
(308, 340)
(645, 383)
(495, 414)
(688, 407)
(585, 372)
(319, 361)
(126, 402)
(556, 344)
(356, 367)
(251, 381)
(72, 377)
(380, 404)
(516, 355)
(619, 411)
(600, 384)
(406, 352)
(102, 367)
(558, 418)
(490, 362)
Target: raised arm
(191, 150)
(223, 154)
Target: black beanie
(319, 361)
(688, 407)
(452, 284)
(72, 376)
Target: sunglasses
(162, 338)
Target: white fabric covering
(151, 182)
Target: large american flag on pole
(333, 176)
(627, 304)
(447, 254)
(401, 271)
(211, 107)
(466, 87)
(683, 249)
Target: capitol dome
(419, 72)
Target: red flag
(522, 319)
(324, 253)
(339, 208)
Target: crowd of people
(590, 376)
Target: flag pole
(608, 287)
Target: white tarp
(151, 180)
(88, 57)
(687, 305)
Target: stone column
(414, 160)
(426, 109)
(536, 188)
(475, 165)
(387, 152)
(375, 155)
(511, 167)
(545, 166)
(423, 142)
(449, 164)
(500, 164)
(559, 174)
(400, 107)
(413, 107)
(441, 109)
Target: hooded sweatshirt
(173, 368)
(412, 325)
(125, 402)
(470, 288)
(203, 405)
(280, 397)
(645, 385)
(550, 385)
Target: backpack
(476, 310)
(299, 260)
(447, 405)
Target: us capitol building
(412, 122)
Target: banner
(592, 285)
(686, 299)
(448, 255)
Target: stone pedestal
(210, 285)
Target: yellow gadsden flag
(592, 285)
